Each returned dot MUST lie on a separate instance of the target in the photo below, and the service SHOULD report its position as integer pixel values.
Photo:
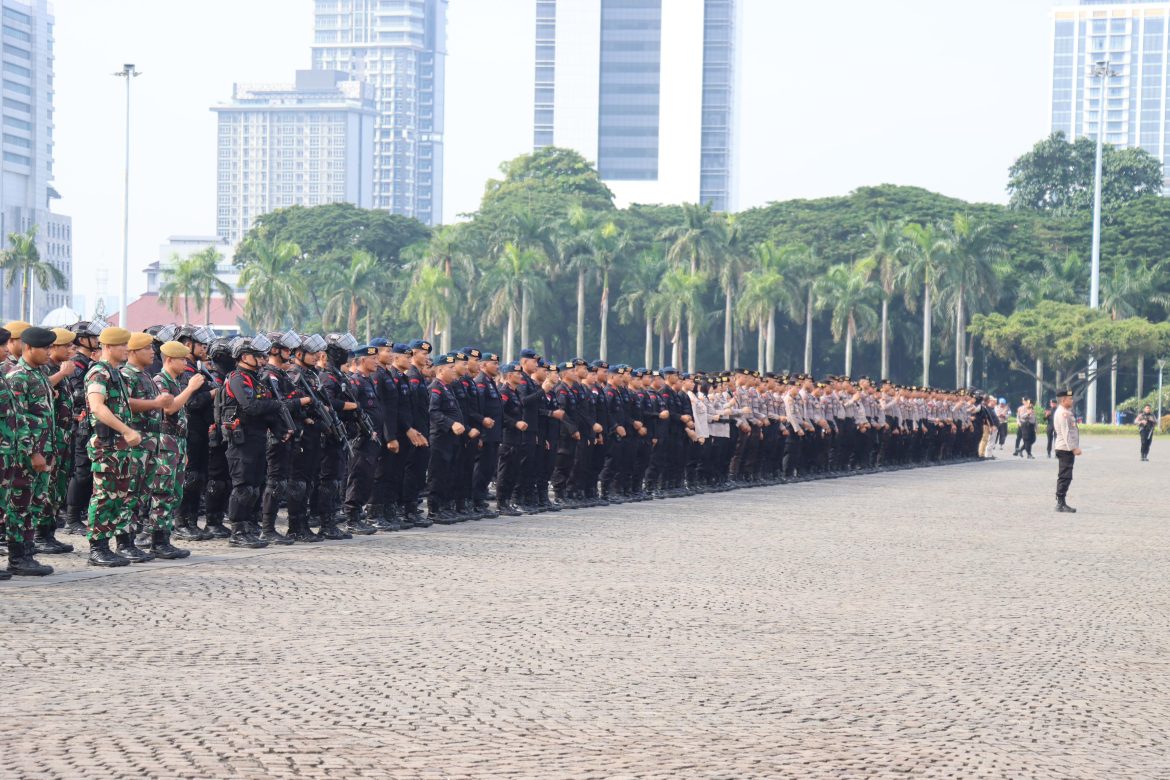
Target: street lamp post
(129, 73)
(1102, 73)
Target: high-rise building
(1134, 39)
(399, 48)
(26, 167)
(644, 88)
(302, 144)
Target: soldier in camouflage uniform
(58, 369)
(33, 464)
(9, 425)
(113, 449)
(164, 467)
(146, 409)
(16, 329)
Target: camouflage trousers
(28, 501)
(117, 477)
(162, 484)
(59, 481)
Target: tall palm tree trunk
(353, 313)
(648, 353)
(510, 335)
(1039, 399)
(1113, 391)
(885, 337)
(1141, 376)
(761, 346)
(808, 322)
(926, 335)
(603, 349)
(849, 348)
(727, 329)
(770, 341)
(661, 348)
(581, 313)
(524, 319)
(25, 303)
(692, 341)
(676, 343)
(959, 340)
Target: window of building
(17, 105)
(13, 32)
(12, 157)
(20, 89)
(20, 70)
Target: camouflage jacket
(10, 419)
(174, 426)
(139, 385)
(105, 380)
(36, 403)
(62, 403)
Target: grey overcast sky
(942, 94)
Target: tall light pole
(129, 73)
(1102, 73)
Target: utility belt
(233, 432)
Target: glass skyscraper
(26, 170)
(644, 88)
(1134, 39)
(399, 48)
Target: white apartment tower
(646, 90)
(303, 144)
(1134, 39)
(398, 47)
(26, 167)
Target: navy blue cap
(379, 342)
(491, 356)
(596, 364)
(422, 344)
(472, 352)
(445, 360)
(684, 375)
(401, 349)
(640, 372)
(568, 365)
(540, 362)
(366, 351)
(668, 370)
(510, 368)
(527, 352)
(579, 362)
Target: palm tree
(801, 267)
(1061, 279)
(889, 244)
(443, 251)
(276, 289)
(969, 277)
(761, 291)
(429, 299)
(848, 294)
(194, 279)
(922, 272)
(639, 288)
(512, 278)
(681, 294)
(22, 260)
(609, 245)
(1127, 292)
(731, 272)
(359, 287)
(572, 246)
(700, 243)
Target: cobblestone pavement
(939, 623)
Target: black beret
(38, 337)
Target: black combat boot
(47, 543)
(485, 511)
(101, 555)
(161, 546)
(1061, 506)
(242, 538)
(21, 562)
(268, 533)
(187, 529)
(392, 516)
(74, 525)
(129, 550)
(354, 524)
(331, 531)
(215, 527)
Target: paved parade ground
(941, 622)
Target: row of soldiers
(132, 437)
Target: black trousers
(360, 483)
(1147, 440)
(414, 477)
(1065, 473)
(1051, 435)
(507, 472)
(439, 470)
(485, 469)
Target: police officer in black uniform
(200, 419)
(491, 407)
(81, 480)
(219, 483)
(336, 392)
(367, 441)
(279, 451)
(415, 477)
(447, 429)
(317, 424)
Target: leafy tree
(194, 279)
(639, 289)
(22, 261)
(970, 280)
(508, 285)
(849, 294)
(762, 290)
(270, 274)
(699, 242)
(889, 247)
(1057, 176)
(429, 300)
(335, 230)
(358, 289)
(923, 272)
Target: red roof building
(148, 310)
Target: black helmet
(163, 333)
(85, 328)
(256, 345)
(312, 343)
(200, 334)
(286, 340)
(338, 347)
(220, 353)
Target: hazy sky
(942, 94)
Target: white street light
(129, 73)
(1102, 73)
